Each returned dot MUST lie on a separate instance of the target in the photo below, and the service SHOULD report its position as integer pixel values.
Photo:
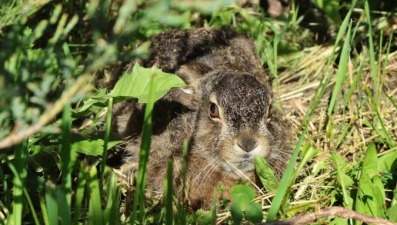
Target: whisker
(242, 174)
(205, 170)
(204, 180)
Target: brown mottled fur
(221, 68)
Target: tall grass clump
(335, 80)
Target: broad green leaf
(92, 147)
(266, 174)
(136, 83)
(345, 181)
(365, 200)
(253, 212)
(387, 162)
(236, 212)
(371, 196)
(242, 194)
(339, 162)
(370, 164)
(379, 190)
(391, 213)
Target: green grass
(340, 97)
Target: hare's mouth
(240, 164)
(244, 165)
(244, 161)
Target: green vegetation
(242, 206)
(335, 79)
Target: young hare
(226, 115)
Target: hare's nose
(247, 143)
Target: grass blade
(44, 211)
(375, 78)
(389, 44)
(20, 173)
(139, 196)
(285, 181)
(95, 213)
(169, 212)
(51, 203)
(31, 206)
(383, 133)
(111, 215)
(342, 67)
(81, 182)
(66, 166)
(184, 165)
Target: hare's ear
(188, 90)
(269, 110)
(187, 97)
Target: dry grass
(350, 128)
(297, 88)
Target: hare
(226, 115)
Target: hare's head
(232, 121)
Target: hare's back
(192, 54)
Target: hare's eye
(213, 110)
